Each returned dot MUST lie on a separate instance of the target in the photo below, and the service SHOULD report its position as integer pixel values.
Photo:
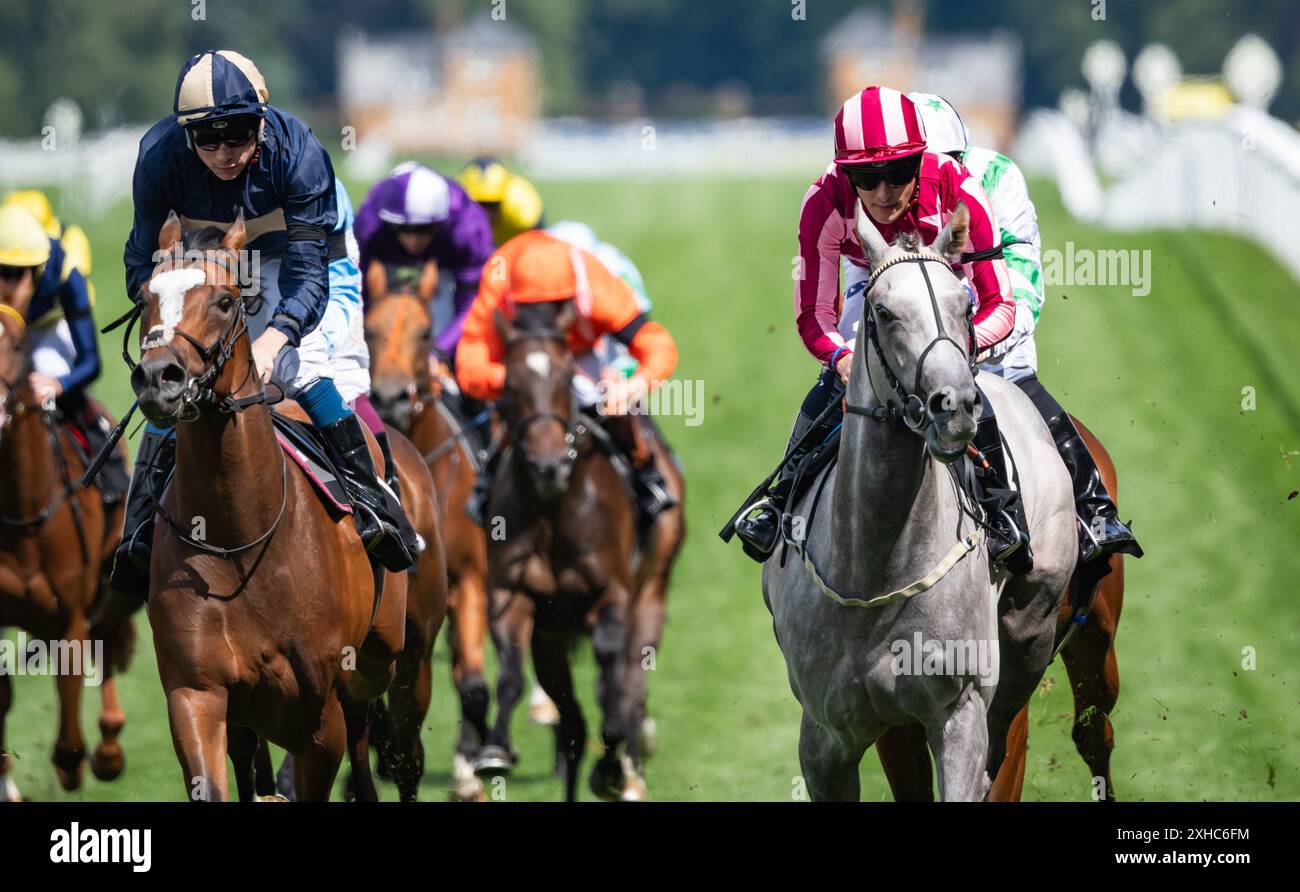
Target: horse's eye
(883, 314)
(225, 303)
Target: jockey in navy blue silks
(223, 151)
(39, 279)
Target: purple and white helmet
(414, 195)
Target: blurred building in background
(475, 89)
(980, 74)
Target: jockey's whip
(116, 434)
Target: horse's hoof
(274, 797)
(108, 762)
(9, 790)
(494, 761)
(634, 789)
(70, 766)
(608, 779)
(541, 711)
(465, 785)
(649, 737)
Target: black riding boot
(652, 492)
(1101, 533)
(1003, 507)
(759, 528)
(154, 462)
(381, 522)
(390, 466)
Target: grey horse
(892, 613)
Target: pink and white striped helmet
(876, 126)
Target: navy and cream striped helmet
(218, 84)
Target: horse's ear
(505, 328)
(170, 234)
(428, 285)
(566, 317)
(873, 243)
(376, 280)
(954, 239)
(236, 235)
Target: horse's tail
(110, 622)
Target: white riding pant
(336, 347)
(52, 350)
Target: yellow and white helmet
(36, 203)
(23, 241)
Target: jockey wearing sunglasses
(225, 150)
(882, 167)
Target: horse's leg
(1010, 780)
(551, 663)
(198, 726)
(242, 744)
(356, 719)
(468, 636)
(110, 622)
(510, 632)
(1093, 670)
(109, 760)
(906, 760)
(408, 703)
(960, 741)
(263, 771)
(8, 789)
(620, 700)
(650, 610)
(830, 771)
(70, 748)
(316, 763)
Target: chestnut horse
(56, 541)
(1090, 663)
(408, 399)
(562, 539)
(264, 607)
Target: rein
(912, 411)
(198, 392)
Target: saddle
(300, 443)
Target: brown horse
(1090, 663)
(408, 398)
(56, 541)
(264, 607)
(562, 539)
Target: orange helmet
(542, 269)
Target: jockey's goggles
(12, 273)
(896, 173)
(235, 135)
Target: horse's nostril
(172, 374)
(939, 404)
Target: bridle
(198, 392)
(519, 429)
(912, 407)
(199, 389)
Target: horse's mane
(206, 239)
(909, 242)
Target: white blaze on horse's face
(171, 288)
(539, 363)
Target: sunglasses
(12, 273)
(414, 228)
(211, 139)
(867, 179)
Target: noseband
(912, 407)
